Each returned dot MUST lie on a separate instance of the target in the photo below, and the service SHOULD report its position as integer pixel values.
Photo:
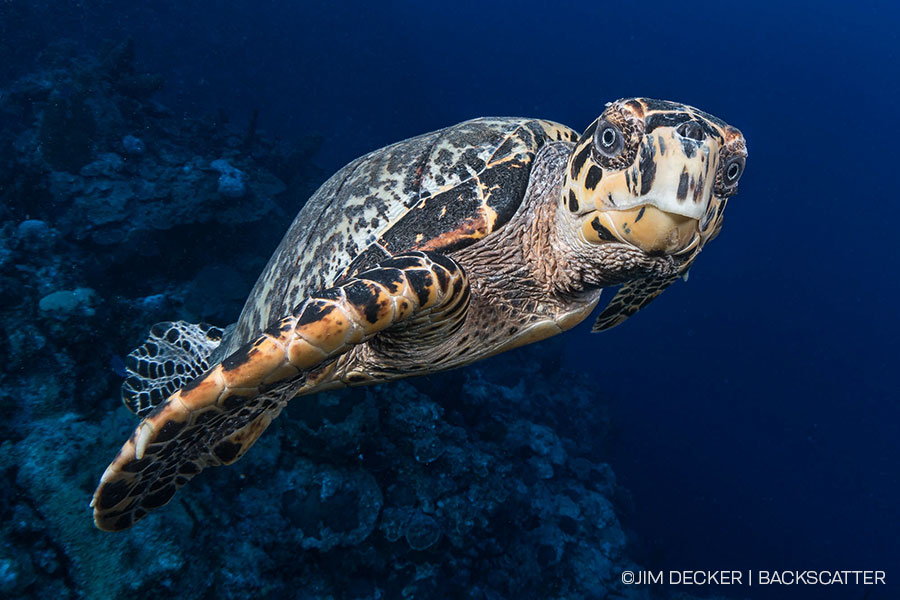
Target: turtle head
(654, 175)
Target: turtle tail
(173, 355)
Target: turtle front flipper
(215, 418)
(631, 297)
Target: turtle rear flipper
(215, 418)
(174, 354)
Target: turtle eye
(733, 170)
(608, 140)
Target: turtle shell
(440, 191)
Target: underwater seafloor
(488, 482)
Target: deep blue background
(756, 404)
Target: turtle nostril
(691, 130)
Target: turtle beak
(662, 198)
(653, 230)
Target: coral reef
(484, 483)
(383, 492)
(111, 216)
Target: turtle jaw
(648, 228)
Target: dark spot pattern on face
(578, 162)
(602, 232)
(640, 214)
(593, 177)
(573, 202)
(683, 181)
(647, 166)
(689, 147)
(314, 312)
(699, 189)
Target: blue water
(756, 405)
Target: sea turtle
(426, 255)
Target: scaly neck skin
(531, 279)
(540, 261)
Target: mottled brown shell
(440, 191)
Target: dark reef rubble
(116, 214)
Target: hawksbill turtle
(426, 255)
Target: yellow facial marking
(648, 228)
(645, 173)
